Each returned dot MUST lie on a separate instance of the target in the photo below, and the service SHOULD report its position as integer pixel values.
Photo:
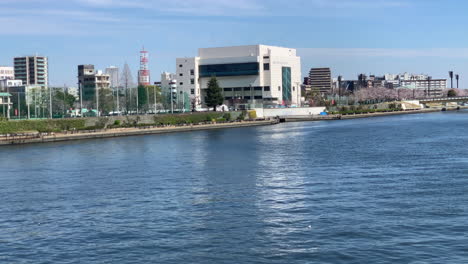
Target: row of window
(255, 88)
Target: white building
(256, 74)
(166, 79)
(5, 83)
(113, 73)
(7, 72)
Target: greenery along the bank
(8, 127)
(363, 111)
(58, 125)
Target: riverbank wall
(123, 132)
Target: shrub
(117, 123)
(252, 114)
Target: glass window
(279, 88)
(246, 88)
(192, 72)
(258, 97)
(266, 66)
(247, 97)
(181, 74)
(192, 91)
(181, 83)
(238, 89)
(266, 57)
(266, 88)
(234, 69)
(258, 88)
(192, 81)
(227, 89)
(180, 65)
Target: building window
(181, 74)
(266, 57)
(181, 83)
(247, 88)
(266, 66)
(228, 98)
(227, 89)
(266, 88)
(294, 88)
(192, 81)
(192, 72)
(247, 97)
(237, 89)
(258, 97)
(279, 88)
(192, 91)
(258, 88)
(180, 66)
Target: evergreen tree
(142, 97)
(452, 93)
(214, 95)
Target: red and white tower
(144, 73)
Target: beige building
(7, 73)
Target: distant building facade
(32, 70)
(114, 79)
(7, 83)
(320, 79)
(90, 81)
(255, 74)
(7, 73)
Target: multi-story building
(32, 70)
(90, 81)
(255, 74)
(166, 79)
(320, 80)
(431, 87)
(6, 83)
(113, 73)
(7, 73)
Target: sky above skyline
(350, 36)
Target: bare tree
(127, 83)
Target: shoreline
(369, 115)
(21, 139)
(126, 132)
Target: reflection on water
(378, 190)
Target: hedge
(43, 126)
(194, 118)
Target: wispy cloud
(382, 52)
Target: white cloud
(383, 52)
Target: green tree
(452, 93)
(142, 97)
(106, 101)
(214, 95)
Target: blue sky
(350, 36)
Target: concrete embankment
(356, 116)
(123, 132)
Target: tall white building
(256, 74)
(113, 73)
(7, 73)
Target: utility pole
(97, 101)
(81, 98)
(457, 77)
(451, 79)
(155, 101)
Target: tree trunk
(214, 108)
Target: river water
(378, 190)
